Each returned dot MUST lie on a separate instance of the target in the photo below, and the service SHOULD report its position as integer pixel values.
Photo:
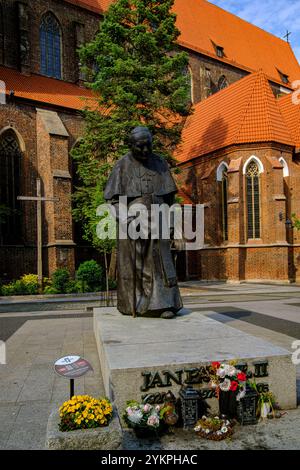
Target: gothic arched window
(187, 72)
(10, 164)
(222, 83)
(191, 84)
(253, 199)
(285, 167)
(50, 44)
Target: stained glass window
(50, 44)
(10, 159)
(253, 200)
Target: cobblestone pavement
(36, 336)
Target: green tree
(139, 77)
(295, 222)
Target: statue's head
(140, 141)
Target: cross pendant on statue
(39, 199)
(146, 180)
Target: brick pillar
(235, 222)
(53, 168)
(276, 206)
(235, 203)
(24, 38)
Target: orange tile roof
(291, 114)
(44, 89)
(245, 112)
(97, 6)
(201, 23)
(246, 46)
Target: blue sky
(275, 16)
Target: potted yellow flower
(84, 422)
(85, 412)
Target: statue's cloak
(129, 178)
(146, 276)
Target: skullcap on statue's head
(138, 131)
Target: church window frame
(50, 46)
(286, 171)
(189, 76)
(252, 171)
(11, 152)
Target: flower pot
(146, 432)
(102, 438)
(228, 404)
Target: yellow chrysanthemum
(82, 409)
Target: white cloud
(275, 16)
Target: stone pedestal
(144, 358)
(102, 438)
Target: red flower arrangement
(226, 377)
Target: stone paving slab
(277, 434)
(29, 386)
(37, 340)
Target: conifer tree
(139, 77)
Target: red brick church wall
(269, 258)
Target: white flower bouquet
(145, 419)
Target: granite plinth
(132, 351)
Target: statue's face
(141, 146)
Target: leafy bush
(30, 283)
(60, 280)
(27, 285)
(50, 290)
(73, 287)
(8, 289)
(90, 274)
(47, 282)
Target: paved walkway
(29, 386)
(35, 337)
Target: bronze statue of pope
(146, 276)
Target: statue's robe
(147, 284)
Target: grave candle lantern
(189, 406)
(246, 407)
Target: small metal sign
(72, 367)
